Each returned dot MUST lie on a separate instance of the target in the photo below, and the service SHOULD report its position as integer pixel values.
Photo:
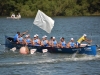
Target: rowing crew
(49, 43)
(44, 42)
(15, 17)
(18, 16)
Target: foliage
(29, 8)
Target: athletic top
(36, 42)
(20, 39)
(28, 40)
(15, 37)
(45, 43)
(63, 44)
(55, 43)
(81, 40)
(72, 44)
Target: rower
(16, 36)
(19, 16)
(44, 41)
(18, 33)
(20, 40)
(54, 42)
(71, 44)
(62, 43)
(13, 15)
(36, 42)
(82, 39)
(28, 40)
(37, 36)
(50, 41)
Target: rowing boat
(14, 18)
(89, 50)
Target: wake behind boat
(89, 50)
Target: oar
(74, 55)
(2, 44)
(12, 49)
(31, 29)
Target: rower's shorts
(78, 44)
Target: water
(13, 63)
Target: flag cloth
(43, 21)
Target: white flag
(43, 21)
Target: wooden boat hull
(89, 50)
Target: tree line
(29, 8)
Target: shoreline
(56, 16)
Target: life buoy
(24, 50)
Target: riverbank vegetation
(29, 8)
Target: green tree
(50, 7)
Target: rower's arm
(47, 41)
(24, 33)
(39, 42)
(88, 40)
(68, 44)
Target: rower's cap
(72, 39)
(26, 35)
(45, 36)
(53, 37)
(84, 35)
(34, 35)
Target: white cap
(34, 35)
(72, 39)
(45, 36)
(84, 35)
(26, 35)
(53, 37)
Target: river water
(13, 63)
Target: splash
(52, 61)
(47, 58)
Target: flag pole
(31, 28)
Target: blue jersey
(72, 44)
(55, 43)
(28, 40)
(15, 37)
(45, 43)
(36, 42)
(63, 44)
(20, 39)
